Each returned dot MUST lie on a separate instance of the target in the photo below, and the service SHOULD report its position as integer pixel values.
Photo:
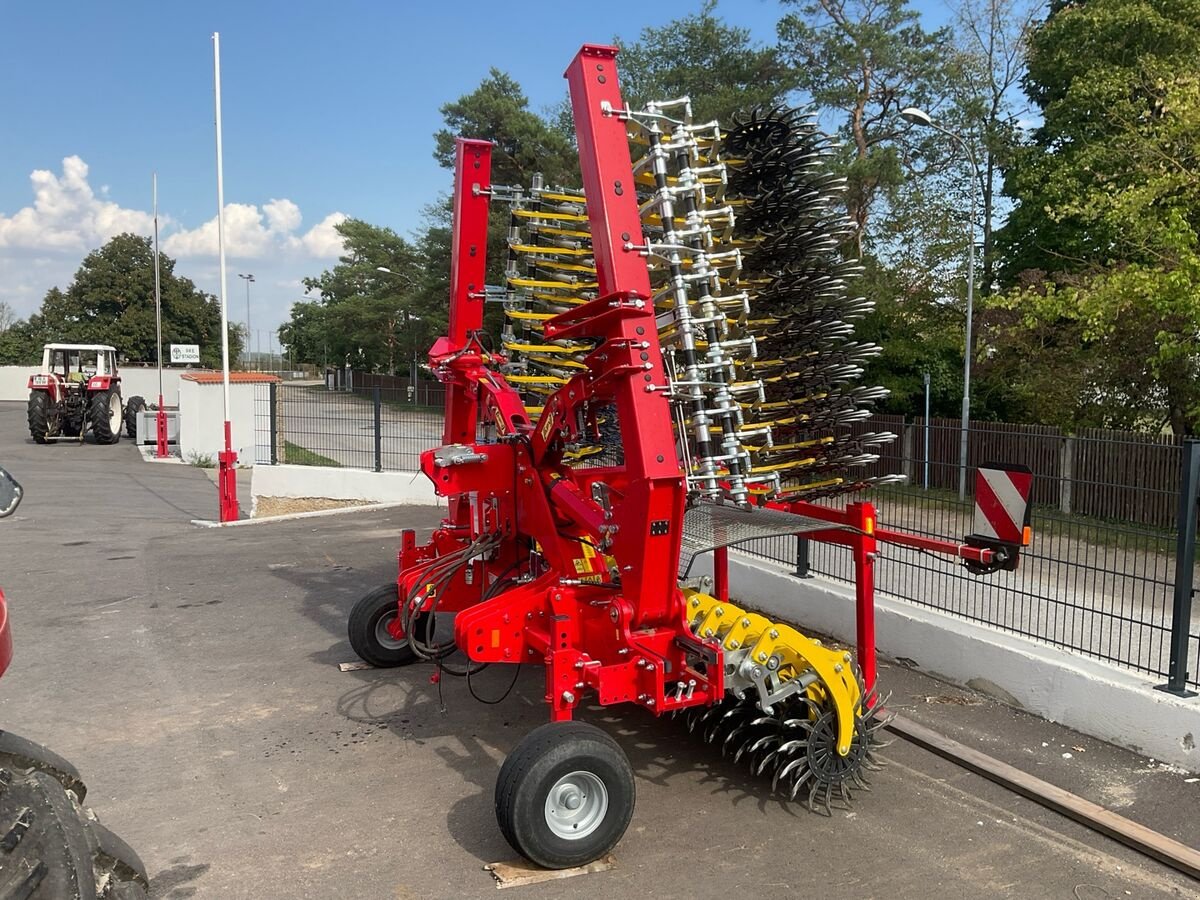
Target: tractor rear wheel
(565, 795)
(105, 415)
(368, 629)
(135, 405)
(51, 847)
(39, 415)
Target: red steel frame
(598, 603)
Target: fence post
(802, 564)
(1066, 470)
(1185, 561)
(273, 412)
(375, 397)
(906, 451)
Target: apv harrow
(677, 376)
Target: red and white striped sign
(1001, 498)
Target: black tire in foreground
(23, 755)
(104, 413)
(565, 795)
(135, 405)
(51, 848)
(38, 413)
(367, 629)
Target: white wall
(343, 484)
(202, 420)
(134, 382)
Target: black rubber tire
(544, 756)
(364, 620)
(51, 848)
(135, 405)
(100, 415)
(23, 756)
(38, 413)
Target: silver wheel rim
(576, 805)
(384, 637)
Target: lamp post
(248, 279)
(917, 116)
(408, 319)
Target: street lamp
(916, 116)
(408, 318)
(248, 279)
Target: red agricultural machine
(676, 377)
(77, 390)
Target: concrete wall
(343, 484)
(202, 420)
(1090, 696)
(144, 382)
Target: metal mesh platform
(707, 526)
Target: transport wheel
(565, 795)
(135, 405)
(105, 414)
(368, 629)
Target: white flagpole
(227, 474)
(160, 419)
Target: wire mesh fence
(383, 429)
(1099, 578)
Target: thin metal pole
(1185, 562)
(160, 419)
(966, 402)
(926, 480)
(377, 401)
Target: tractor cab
(77, 363)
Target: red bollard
(227, 479)
(161, 429)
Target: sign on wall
(185, 353)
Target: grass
(201, 460)
(296, 455)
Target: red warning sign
(1001, 502)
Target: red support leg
(721, 573)
(862, 516)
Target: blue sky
(329, 109)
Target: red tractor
(77, 390)
(51, 846)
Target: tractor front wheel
(368, 629)
(105, 415)
(565, 795)
(135, 405)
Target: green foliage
(1103, 243)
(111, 301)
(699, 56)
(370, 319)
(863, 61)
(525, 143)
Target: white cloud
(42, 244)
(67, 215)
(253, 233)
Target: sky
(328, 111)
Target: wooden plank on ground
(521, 872)
(1154, 844)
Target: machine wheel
(368, 632)
(51, 847)
(39, 415)
(565, 795)
(105, 415)
(135, 405)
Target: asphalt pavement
(192, 675)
